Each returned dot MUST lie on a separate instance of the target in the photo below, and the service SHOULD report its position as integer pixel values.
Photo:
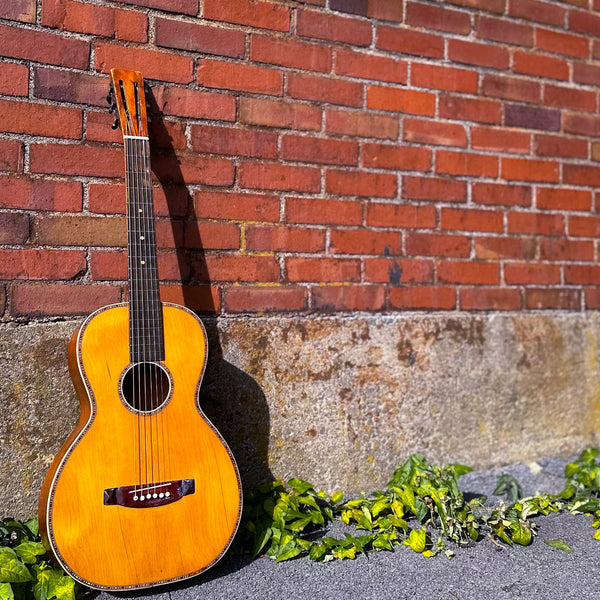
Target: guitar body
(169, 457)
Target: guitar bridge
(149, 495)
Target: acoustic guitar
(145, 490)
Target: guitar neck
(146, 335)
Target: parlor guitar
(144, 491)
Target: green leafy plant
(25, 569)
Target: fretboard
(146, 337)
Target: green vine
(421, 507)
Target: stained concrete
(340, 400)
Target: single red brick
(348, 297)
(184, 102)
(470, 109)
(581, 175)
(553, 298)
(40, 194)
(98, 20)
(539, 65)
(248, 12)
(361, 241)
(236, 76)
(475, 53)
(498, 138)
(582, 274)
(443, 78)
(563, 199)
(531, 274)
(43, 47)
(236, 206)
(362, 124)
(76, 159)
(59, 299)
(531, 117)
(584, 226)
(434, 189)
(400, 39)
(467, 272)
(562, 43)
(361, 183)
(14, 79)
(434, 244)
(278, 113)
(211, 236)
(495, 6)
(503, 30)
(185, 169)
(290, 53)
(511, 88)
(490, 299)
(392, 156)
(327, 270)
(399, 100)
(585, 22)
(359, 64)
(462, 163)
(534, 10)
(436, 133)
(324, 89)
(423, 297)
(354, 7)
(398, 271)
(523, 169)
(207, 39)
(315, 24)
(40, 119)
(165, 134)
(472, 220)
(592, 299)
(318, 150)
(566, 250)
(249, 298)
(199, 298)
(99, 127)
(386, 10)
(230, 140)
(70, 86)
(577, 123)
(595, 49)
(536, 223)
(79, 230)
(11, 155)
(236, 267)
(504, 247)
(154, 64)
(558, 145)
(14, 228)
(270, 176)
(501, 194)
(437, 17)
(567, 97)
(169, 233)
(279, 238)
(323, 212)
(18, 10)
(187, 7)
(403, 216)
(586, 73)
(595, 151)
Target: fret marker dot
(142, 262)
(139, 210)
(141, 237)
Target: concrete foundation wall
(339, 400)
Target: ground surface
(481, 572)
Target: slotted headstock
(128, 97)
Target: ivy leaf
(12, 570)
(29, 551)
(520, 534)
(416, 540)
(6, 592)
(560, 545)
(337, 497)
(300, 486)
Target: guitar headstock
(127, 98)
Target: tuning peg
(110, 98)
(116, 123)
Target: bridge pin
(155, 495)
(167, 494)
(161, 495)
(136, 498)
(142, 498)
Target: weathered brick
(279, 113)
(462, 163)
(404, 40)
(79, 230)
(248, 12)
(503, 30)
(423, 297)
(499, 138)
(462, 219)
(467, 272)
(14, 79)
(500, 194)
(40, 194)
(361, 183)
(11, 155)
(535, 10)
(201, 298)
(392, 156)
(559, 145)
(443, 78)
(553, 298)
(437, 17)
(333, 27)
(230, 140)
(539, 65)
(581, 175)
(237, 76)
(185, 169)
(434, 244)
(250, 298)
(70, 86)
(402, 216)
(348, 297)
(475, 53)
(186, 7)
(531, 274)
(353, 7)
(14, 228)
(236, 267)
(386, 10)
(434, 189)
(361, 241)
(18, 10)
(43, 47)
(523, 169)
(324, 89)
(495, 6)
(171, 33)
(367, 66)
(154, 64)
(76, 159)
(436, 133)
(236, 206)
(41, 264)
(562, 43)
(322, 269)
(290, 53)
(535, 223)
(362, 124)
(398, 271)
(584, 226)
(532, 117)
(582, 274)
(511, 88)
(567, 97)
(520, 247)
(585, 22)
(183, 102)
(399, 100)
(577, 123)
(280, 238)
(323, 212)
(270, 176)
(470, 109)
(586, 73)
(490, 299)
(318, 150)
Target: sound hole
(146, 386)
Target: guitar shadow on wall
(230, 398)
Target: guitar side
(110, 543)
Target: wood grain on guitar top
(120, 547)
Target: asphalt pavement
(480, 572)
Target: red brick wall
(318, 155)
